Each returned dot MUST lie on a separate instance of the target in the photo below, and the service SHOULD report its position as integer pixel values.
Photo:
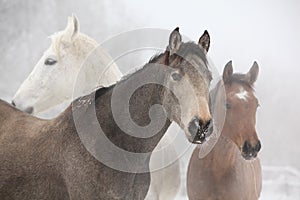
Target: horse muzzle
(200, 130)
(249, 151)
(28, 109)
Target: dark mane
(157, 56)
(241, 79)
(100, 91)
(185, 49)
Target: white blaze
(242, 94)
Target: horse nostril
(246, 147)
(207, 128)
(204, 125)
(196, 130)
(194, 126)
(13, 103)
(29, 110)
(207, 125)
(257, 146)
(249, 151)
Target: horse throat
(223, 156)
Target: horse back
(27, 170)
(6, 111)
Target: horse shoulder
(201, 182)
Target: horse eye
(50, 61)
(176, 76)
(227, 105)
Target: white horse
(52, 80)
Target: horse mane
(82, 43)
(100, 91)
(185, 49)
(156, 57)
(193, 48)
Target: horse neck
(224, 155)
(139, 104)
(99, 70)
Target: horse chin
(249, 157)
(198, 142)
(192, 140)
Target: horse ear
(228, 71)
(174, 41)
(204, 41)
(253, 73)
(72, 29)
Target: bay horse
(231, 170)
(49, 159)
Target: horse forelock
(191, 48)
(188, 48)
(237, 78)
(240, 79)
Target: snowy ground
(279, 183)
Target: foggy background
(242, 31)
